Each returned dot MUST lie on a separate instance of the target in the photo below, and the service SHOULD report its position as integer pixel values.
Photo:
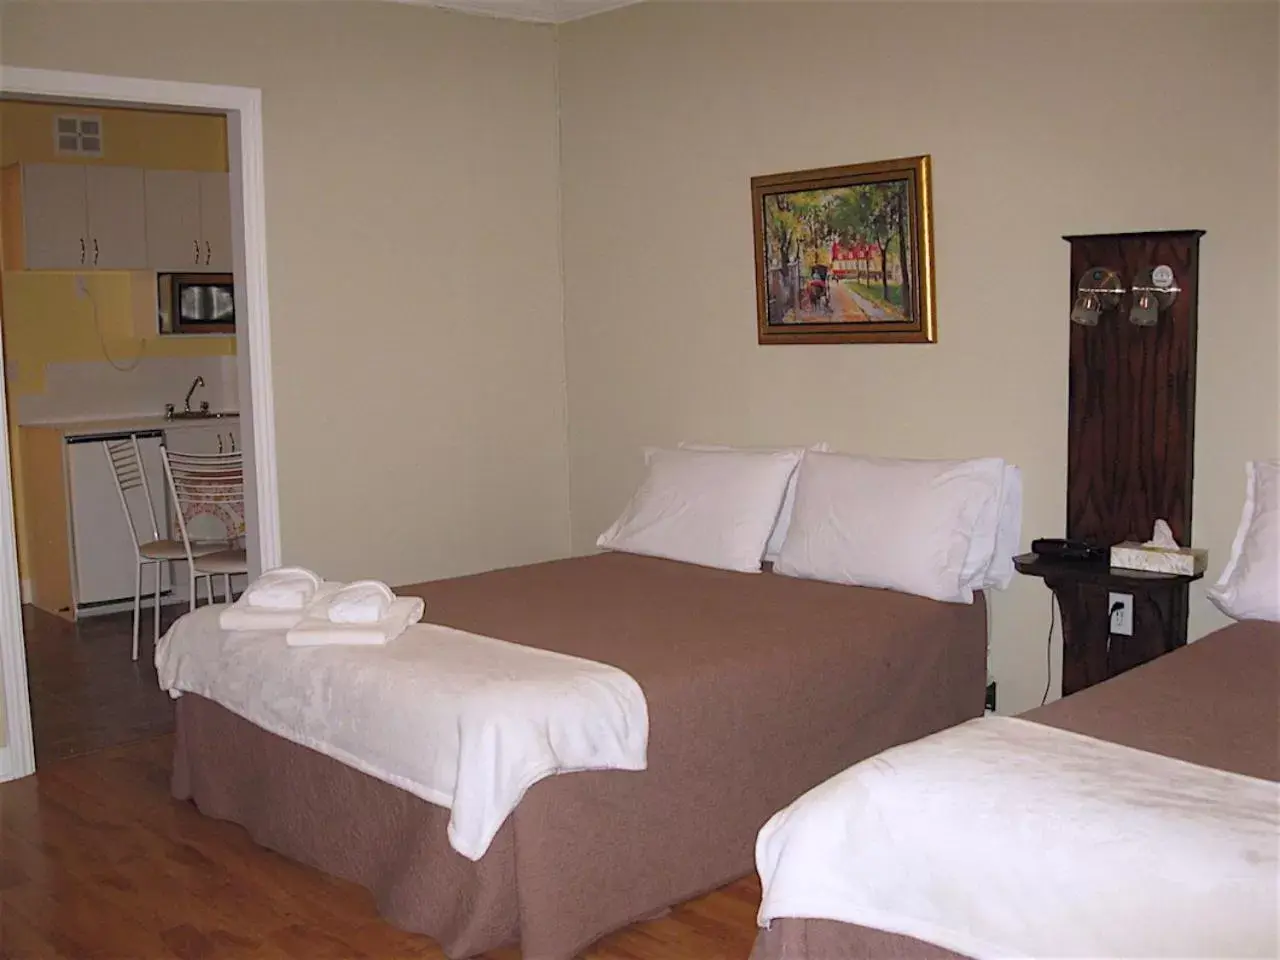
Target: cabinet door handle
(196, 244)
(95, 251)
(82, 250)
(220, 450)
(234, 446)
(208, 253)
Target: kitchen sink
(199, 414)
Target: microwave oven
(196, 303)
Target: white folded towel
(316, 629)
(285, 588)
(364, 601)
(243, 615)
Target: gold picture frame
(845, 254)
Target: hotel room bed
(758, 687)
(1213, 703)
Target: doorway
(246, 378)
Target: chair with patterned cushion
(209, 486)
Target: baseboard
(26, 591)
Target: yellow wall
(131, 138)
(1043, 119)
(46, 320)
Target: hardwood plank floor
(97, 860)
(86, 691)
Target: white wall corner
(13, 766)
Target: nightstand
(1090, 652)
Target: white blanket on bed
(462, 721)
(1004, 837)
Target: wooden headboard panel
(1131, 425)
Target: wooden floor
(97, 861)
(86, 691)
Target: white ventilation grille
(78, 134)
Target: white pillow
(713, 508)
(905, 525)
(1249, 588)
(779, 534)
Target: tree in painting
(840, 255)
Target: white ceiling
(539, 11)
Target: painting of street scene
(843, 258)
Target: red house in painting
(850, 259)
(858, 260)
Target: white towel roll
(239, 616)
(285, 588)
(364, 601)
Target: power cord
(1048, 642)
(1048, 648)
(82, 289)
(1111, 613)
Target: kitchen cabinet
(215, 220)
(206, 438)
(188, 220)
(173, 221)
(48, 559)
(116, 224)
(53, 214)
(74, 217)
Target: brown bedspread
(758, 687)
(1215, 702)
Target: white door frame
(243, 107)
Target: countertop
(88, 428)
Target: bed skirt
(298, 802)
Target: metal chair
(211, 485)
(125, 457)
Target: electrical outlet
(1120, 608)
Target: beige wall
(1042, 120)
(413, 260)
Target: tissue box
(1183, 561)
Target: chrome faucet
(197, 382)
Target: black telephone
(1076, 550)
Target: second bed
(1212, 704)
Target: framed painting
(845, 254)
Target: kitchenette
(119, 323)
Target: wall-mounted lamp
(1099, 289)
(1153, 290)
